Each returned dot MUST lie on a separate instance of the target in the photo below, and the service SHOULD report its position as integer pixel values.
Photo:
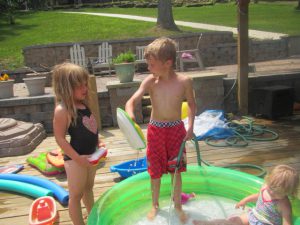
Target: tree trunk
(165, 16)
(298, 7)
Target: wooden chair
(190, 55)
(140, 54)
(104, 59)
(77, 55)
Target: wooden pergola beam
(243, 42)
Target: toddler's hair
(66, 77)
(162, 49)
(283, 179)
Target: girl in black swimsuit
(72, 115)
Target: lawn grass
(34, 28)
(274, 17)
(56, 27)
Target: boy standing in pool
(166, 131)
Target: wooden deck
(14, 208)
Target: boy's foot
(182, 216)
(152, 214)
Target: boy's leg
(177, 197)
(77, 177)
(88, 195)
(155, 188)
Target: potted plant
(6, 86)
(124, 66)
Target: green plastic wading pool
(130, 199)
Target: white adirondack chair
(190, 55)
(140, 54)
(77, 55)
(104, 59)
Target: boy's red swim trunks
(163, 144)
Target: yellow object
(184, 110)
(4, 77)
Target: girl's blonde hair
(162, 49)
(66, 77)
(283, 179)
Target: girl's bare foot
(182, 216)
(152, 214)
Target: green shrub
(125, 57)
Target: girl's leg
(155, 187)
(88, 195)
(77, 178)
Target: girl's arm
(244, 201)
(60, 126)
(286, 211)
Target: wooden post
(93, 98)
(243, 56)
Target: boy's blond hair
(162, 49)
(66, 77)
(283, 179)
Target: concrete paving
(280, 66)
(252, 33)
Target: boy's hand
(189, 135)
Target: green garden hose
(242, 134)
(262, 172)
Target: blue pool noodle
(60, 193)
(24, 188)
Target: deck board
(14, 208)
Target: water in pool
(203, 207)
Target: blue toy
(130, 168)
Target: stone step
(146, 110)
(146, 100)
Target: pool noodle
(24, 188)
(60, 193)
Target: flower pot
(125, 72)
(7, 89)
(35, 85)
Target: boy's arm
(136, 97)
(190, 97)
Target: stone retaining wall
(210, 90)
(217, 48)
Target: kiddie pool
(130, 199)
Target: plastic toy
(24, 188)
(56, 158)
(184, 110)
(96, 157)
(129, 168)
(131, 130)
(59, 193)
(185, 197)
(11, 168)
(43, 211)
(41, 163)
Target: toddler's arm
(244, 201)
